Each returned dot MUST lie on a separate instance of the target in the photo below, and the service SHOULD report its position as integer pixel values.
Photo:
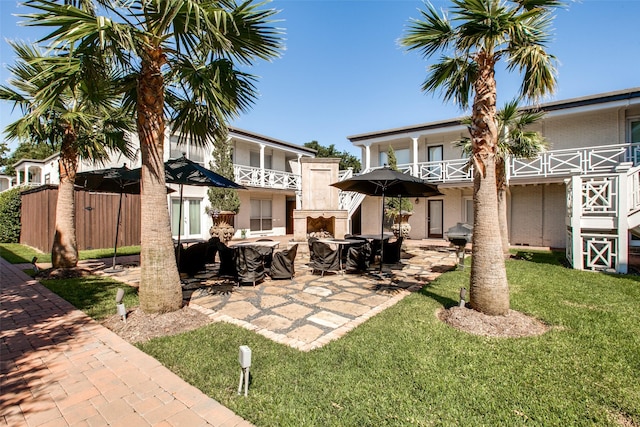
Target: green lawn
(19, 254)
(404, 367)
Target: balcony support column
(414, 155)
(367, 157)
(262, 174)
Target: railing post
(624, 185)
(574, 208)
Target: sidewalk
(60, 368)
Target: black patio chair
(194, 258)
(227, 257)
(282, 266)
(358, 257)
(324, 258)
(392, 251)
(249, 265)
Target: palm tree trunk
(489, 290)
(64, 252)
(502, 204)
(160, 289)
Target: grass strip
(20, 254)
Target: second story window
(634, 129)
(192, 152)
(254, 160)
(403, 157)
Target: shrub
(10, 204)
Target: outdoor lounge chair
(282, 266)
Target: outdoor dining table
(268, 244)
(371, 237)
(265, 247)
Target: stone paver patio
(309, 311)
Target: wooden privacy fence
(96, 217)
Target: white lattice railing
(599, 195)
(254, 177)
(599, 252)
(349, 200)
(555, 163)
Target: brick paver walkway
(60, 368)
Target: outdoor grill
(460, 234)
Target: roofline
(51, 157)
(591, 100)
(268, 139)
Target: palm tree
(513, 141)
(179, 56)
(68, 103)
(480, 34)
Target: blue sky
(343, 72)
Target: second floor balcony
(554, 163)
(250, 176)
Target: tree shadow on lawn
(554, 257)
(446, 302)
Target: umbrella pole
(382, 235)
(179, 227)
(115, 245)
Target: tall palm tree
(70, 104)
(514, 140)
(179, 55)
(480, 34)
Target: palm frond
(431, 34)
(454, 77)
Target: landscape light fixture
(463, 295)
(120, 305)
(245, 362)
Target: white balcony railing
(254, 177)
(555, 163)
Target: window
(261, 215)
(254, 160)
(403, 156)
(634, 130)
(191, 216)
(434, 154)
(468, 212)
(192, 151)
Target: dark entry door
(291, 205)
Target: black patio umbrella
(112, 180)
(183, 171)
(386, 182)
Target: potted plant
(225, 203)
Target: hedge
(10, 205)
